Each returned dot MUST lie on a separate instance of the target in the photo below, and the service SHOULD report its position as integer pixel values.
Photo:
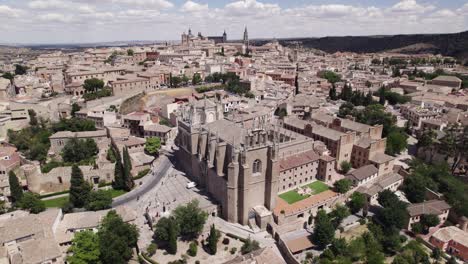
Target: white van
(190, 185)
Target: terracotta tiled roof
(298, 160)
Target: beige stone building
(241, 168)
(60, 139)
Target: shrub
(226, 241)
(152, 249)
(193, 248)
(233, 251)
(362, 221)
(249, 246)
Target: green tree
(93, 85)
(191, 219)
(429, 220)
(342, 186)
(345, 166)
(324, 232)
(382, 96)
(162, 227)
(332, 93)
(387, 198)
(357, 249)
(185, 79)
(75, 108)
(76, 150)
(357, 202)
(119, 180)
(32, 118)
(152, 145)
(196, 79)
(130, 52)
(369, 99)
(8, 75)
(84, 249)
(330, 76)
(116, 239)
(427, 138)
(79, 188)
(176, 81)
(338, 214)
(16, 191)
(173, 232)
(99, 200)
(397, 141)
(193, 249)
(436, 253)
(127, 170)
(394, 216)
(452, 260)
(32, 203)
(346, 92)
(212, 240)
(20, 69)
(249, 246)
(417, 228)
(339, 247)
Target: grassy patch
(60, 201)
(57, 202)
(292, 196)
(116, 193)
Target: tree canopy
(342, 186)
(116, 239)
(324, 232)
(93, 85)
(191, 219)
(85, 248)
(79, 188)
(16, 191)
(76, 150)
(32, 203)
(152, 145)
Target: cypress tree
(119, 180)
(382, 96)
(79, 188)
(172, 233)
(127, 164)
(213, 240)
(368, 100)
(16, 191)
(332, 93)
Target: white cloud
(47, 4)
(160, 4)
(55, 17)
(411, 6)
(9, 12)
(92, 20)
(333, 11)
(444, 13)
(191, 6)
(251, 7)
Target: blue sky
(73, 21)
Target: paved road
(158, 172)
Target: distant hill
(455, 44)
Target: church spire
(246, 40)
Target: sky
(89, 21)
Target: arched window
(257, 166)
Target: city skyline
(86, 21)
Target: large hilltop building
(188, 39)
(245, 169)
